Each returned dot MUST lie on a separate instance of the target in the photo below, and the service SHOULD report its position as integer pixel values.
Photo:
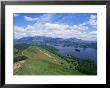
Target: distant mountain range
(54, 41)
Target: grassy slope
(42, 62)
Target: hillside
(42, 62)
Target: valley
(45, 60)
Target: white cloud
(19, 32)
(54, 30)
(56, 26)
(15, 14)
(90, 36)
(93, 20)
(30, 19)
(41, 19)
(44, 27)
(82, 26)
(46, 18)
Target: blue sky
(62, 25)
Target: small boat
(77, 50)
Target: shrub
(20, 58)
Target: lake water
(84, 53)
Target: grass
(41, 67)
(43, 62)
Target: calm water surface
(84, 53)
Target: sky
(56, 25)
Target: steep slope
(43, 62)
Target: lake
(82, 53)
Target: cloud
(93, 20)
(54, 30)
(19, 32)
(46, 18)
(89, 36)
(30, 18)
(44, 26)
(15, 14)
(56, 26)
(82, 26)
(41, 19)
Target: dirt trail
(17, 65)
(45, 53)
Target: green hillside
(43, 62)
